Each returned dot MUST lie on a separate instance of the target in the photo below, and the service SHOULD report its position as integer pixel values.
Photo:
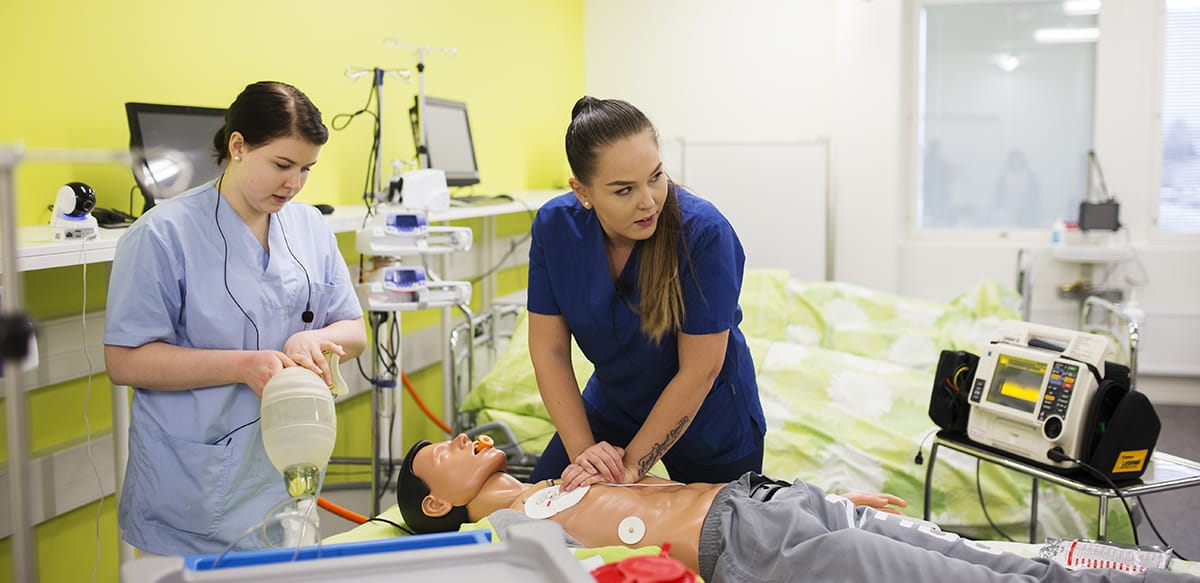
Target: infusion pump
(1033, 389)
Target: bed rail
(1096, 309)
(477, 341)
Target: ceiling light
(1066, 35)
(1081, 7)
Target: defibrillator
(1048, 395)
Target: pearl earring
(237, 158)
(587, 205)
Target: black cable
(225, 277)
(919, 458)
(225, 265)
(983, 505)
(1058, 455)
(307, 315)
(512, 249)
(372, 94)
(131, 189)
(240, 427)
(1150, 521)
(384, 520)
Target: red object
(342, 512)
(659, 569)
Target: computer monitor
(155, 129)
(448, 141)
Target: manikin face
(628, 188)
(454, 472)
(269, 175)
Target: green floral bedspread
(845, 373)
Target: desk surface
(37, 249)
(1164, 471)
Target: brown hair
(268, 110)
(595, 124)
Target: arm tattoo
(660, 448)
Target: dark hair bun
(585, 103)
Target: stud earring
(237, 158)
(587, 205)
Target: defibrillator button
(1053, 427)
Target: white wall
(763, 69)
(710, 70)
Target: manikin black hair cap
(411, 490)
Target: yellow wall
(68, 67)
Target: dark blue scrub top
(569, 276)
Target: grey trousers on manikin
(803, 534)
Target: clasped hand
(305, 349)
(602, 462)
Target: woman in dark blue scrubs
(645, 276)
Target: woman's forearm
(351, 335)
(560, 393)
(550, 351)
(700, 361)
(166, 367)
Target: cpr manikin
(753, 528)
(299, 427)
(458, 476)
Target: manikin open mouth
(483, 443)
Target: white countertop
(37, 249)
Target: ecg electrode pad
(550, 501)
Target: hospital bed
(845, 374)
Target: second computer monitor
(164, 138)
(448, 141)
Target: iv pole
(383, 389)
(420, 52)
(20, 521)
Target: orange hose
(350, 515)
(425, 408)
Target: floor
(1176, 513)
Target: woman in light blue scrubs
(645, 277)
(211, 293)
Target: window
(1179, 193)
(1005, 113)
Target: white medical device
(72, 216)
(425, 189)
(397, 232)
(1033, 390)
(406, 287)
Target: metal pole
(379, 124)
(422, 149)
(16, 429)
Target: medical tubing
(270, 517)
(341, 511)
(87, 397)
(420, 403)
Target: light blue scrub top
(189, 489)
(569, 276)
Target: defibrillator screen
(1017, 383)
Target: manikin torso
(669, 512)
